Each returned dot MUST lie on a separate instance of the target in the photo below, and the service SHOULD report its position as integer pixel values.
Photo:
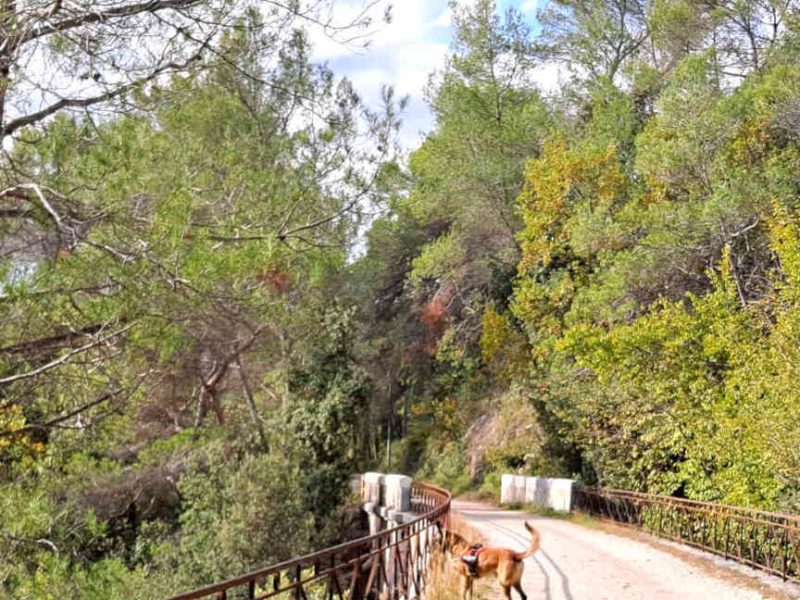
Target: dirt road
(581, 563)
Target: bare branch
(53, 342)
(64, 358)
(42, 114)
(99, 16)
(66, 417)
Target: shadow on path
(546, 578)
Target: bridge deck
(577, 562)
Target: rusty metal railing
(764, 540)
(393, 562)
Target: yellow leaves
(554, 185)
(14, 443)
(751, 145)
(568, 207)
(12, 419)
(547, 184)
(502, 345)
(656, 190)
(419, 410)
(495, 333)
(785, 241)
(603, 170)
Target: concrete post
(561, 494)
(372, 487)
(371, 495)
(398, 492)
(542, 495)
(387, 502)
(540, 491)
(531, 484)
(512, 489)
(506, 489)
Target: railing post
(785, 553)
(355, 582)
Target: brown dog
(504, 563)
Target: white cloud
(529, 7)
(404, 53)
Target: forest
(226, 287)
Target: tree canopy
(225, 289)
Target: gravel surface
(577, 562)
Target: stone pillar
(519, 489)
(506, 489)
(540, 491)
(561, 494)
(372, 495)
(398, 492)
(512, 489)
(387, 502)
(531, 484)
(372, 488)
(542, 495)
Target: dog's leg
(518, 587)
(506, 591)
(466, 587)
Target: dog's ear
(453, 540)
(439, 535)
(444, 539)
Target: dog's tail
(532, 547)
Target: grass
(539, 511)
(578, 518)
(444, 582)
(479, 495)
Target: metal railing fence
(764, 540)
(393, 562)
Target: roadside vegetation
(602, 277)
(444, 582)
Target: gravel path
(576, 562)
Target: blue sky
(403, 53)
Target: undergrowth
(444, 582)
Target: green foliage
(328, 396)
(656, 229)
(448, 468)
(252, 512)
(649, 289)
(599, 282)
(181, 253)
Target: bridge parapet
(544, 492)
(387, 500)
(763, 540)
